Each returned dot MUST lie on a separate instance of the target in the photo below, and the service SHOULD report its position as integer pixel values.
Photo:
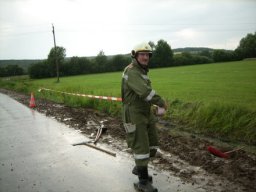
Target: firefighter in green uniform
(138, 119)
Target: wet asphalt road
(36, 154)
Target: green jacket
(136, 87)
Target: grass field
(212, 99)
(231, 83)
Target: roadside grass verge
(226, 122)
(215, 100)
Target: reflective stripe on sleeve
(151, 95)
(145, 77)
(125, 77)
(141, 156)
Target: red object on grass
(217, 152)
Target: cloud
(229, 44)
(85, 27)
(188, 34)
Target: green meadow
(212, 99)
(228, 83)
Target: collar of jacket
(137, 64)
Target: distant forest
(25, 63)
(20, 67)
(163, 56)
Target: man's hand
(160, 111)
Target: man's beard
(145, 67)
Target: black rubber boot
(135, 172)
(144, 185)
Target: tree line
(11, 70)
(163, 56)
(76, 65)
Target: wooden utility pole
(55, 52)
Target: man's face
(143, 58)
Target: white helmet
(143, 47)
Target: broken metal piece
(87, 143)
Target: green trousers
(141, 135)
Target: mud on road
(182, 154)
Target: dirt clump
(184, 155)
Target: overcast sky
(84, 27)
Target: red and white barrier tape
(83, 95)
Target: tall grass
(223, 121)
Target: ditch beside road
(182, 154)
